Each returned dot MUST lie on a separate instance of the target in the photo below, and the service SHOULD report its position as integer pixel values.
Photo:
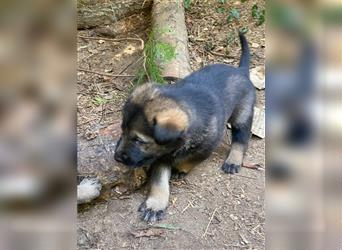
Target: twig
(103, 74)
(214, 53)
(103, 106)
(115, 39)
(221, 54)
(130, 64)
(144, 64)
(211, 218)
(244, 176)
(189, 204)
(254, 166)
(243, 239)
(113, 111)
(87, 121)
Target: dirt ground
(208, 209)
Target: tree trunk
(169, 23)
(96, 13)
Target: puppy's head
(153, 126)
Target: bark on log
(169, 22)
(96, 13)
(131, 24)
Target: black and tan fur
(175, 127)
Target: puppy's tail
(244, 60)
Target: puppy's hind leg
(154, 207)
(241, 133)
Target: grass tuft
(155, 54)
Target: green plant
(98, 100)
(187, 4)
(233, 14)
(209, 46)
(222, 1)
(244, 30)
(155, 54)
(258, 14)
(220, 10)
(164, 51)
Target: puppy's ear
(169, 126)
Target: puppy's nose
(121, 157)
(124, 156)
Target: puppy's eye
(139, 140)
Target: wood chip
(255, 45)
(258, 126)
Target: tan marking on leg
(158, 197)
(186, 166)
(236, 154)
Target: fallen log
(95, 13)
(169, 25)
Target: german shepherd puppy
(178, 126)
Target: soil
(208, 209)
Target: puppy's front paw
(150, 211)
(88, 190)
(231, 168)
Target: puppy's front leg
(154, 207)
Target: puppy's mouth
(142, 163)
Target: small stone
(228, 60)
(233, 217)
(258, 126)
(198, 59)
(257, 76)
(255, 45)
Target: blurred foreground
(37, 147)
(304, 125)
